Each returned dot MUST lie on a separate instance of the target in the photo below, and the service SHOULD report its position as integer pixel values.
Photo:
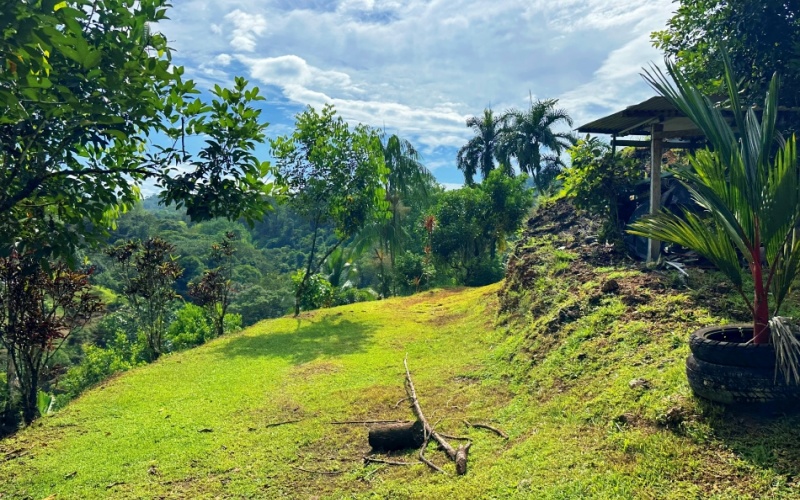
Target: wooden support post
(656, 150)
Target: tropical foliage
(531, 140)
(761, 38)
(148, 269)
(334, 175)
(39, 308)
(480, 153)
(61, 140)
(528, 138)
(748, 183)
(472, 224)
(598, 180)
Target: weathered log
(458, 456)
(400, 436)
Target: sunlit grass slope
(249, 416)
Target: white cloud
(421, 67)
(246, 29)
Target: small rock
(673, 416)
(610, 286)
(639, 383)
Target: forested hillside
(577, 357)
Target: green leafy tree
(334, 176)
(312, 293)
(214, 290)
(509, 201)
(761, 38)
(530, 138)
(480, 153)
(597, 179)
(471, 223)
(39, 308)
(84, 85)
(148, 271)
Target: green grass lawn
(249, 415)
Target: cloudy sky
(420, 68)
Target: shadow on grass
(329, 336)
(768, 438)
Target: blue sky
(420, 68)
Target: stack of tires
(725, 368)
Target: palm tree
(480, 152)
(749, 183)
(531, 140)
(409, 182)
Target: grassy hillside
(586, 377)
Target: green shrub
(189, 329)
(97, 365)
(598, 179)
(412, 273)
(232, 323)
(318, 292)
(350, 295)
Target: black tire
(727, 345)
(736, 384)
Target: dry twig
(488, 427)
(373, 460)
(370, 422)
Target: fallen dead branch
(373, 460)
(425, 460)
(459, 456)
(345, 422)
(285, 422)
(487, 427)
(324, 472)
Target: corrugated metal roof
(637, 119)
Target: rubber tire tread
(730, 353)
(735, 384)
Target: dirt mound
(560, 250)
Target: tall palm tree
(480, 153)
(531, 140)
(409, 182)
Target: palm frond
(787, 349)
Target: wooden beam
(646, 144)
(646, 121)
(656, 151)
(681, 134)
(653, 113)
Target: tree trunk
(29, 387)
(761, 295)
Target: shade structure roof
(638, 118)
